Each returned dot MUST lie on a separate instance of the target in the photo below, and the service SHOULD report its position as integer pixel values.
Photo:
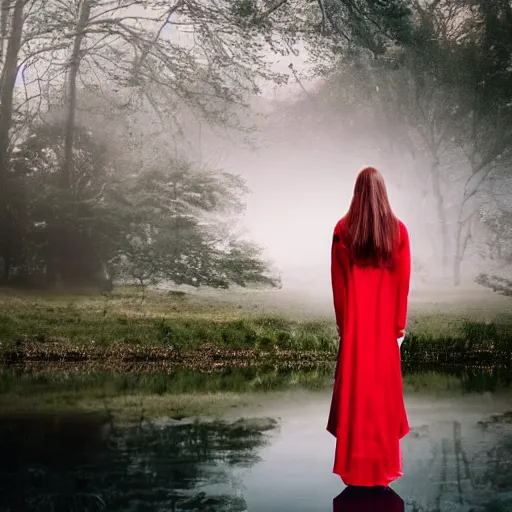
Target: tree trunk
(441, 214)
(143, 290)
(74, 66)
(7, 268)
(459, 254)
(462, 237)
(66, 177)
(8, 79)
(4, 25)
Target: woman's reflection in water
(368, 499)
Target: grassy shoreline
(176, 355)
(78, 327)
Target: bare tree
(12, 20)
(450, 92)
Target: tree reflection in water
(84, 463)
(472, 473)
(81, 463)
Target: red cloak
(367, 414)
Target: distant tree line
(80, 204)
(425, 86)
(163, 222)
(75, 201)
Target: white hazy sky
(297, 198)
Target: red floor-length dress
(367, 414)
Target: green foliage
(183, 322)
(154, 71)
(480, 332)
(163, 321)
(371, 24)
(498, 220)
(498, 284)
(244, 9)
(474, 344)
(165, 223)
(67, 233)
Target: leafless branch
(270, 10)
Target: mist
(171, 174)
(301, 181)
(294, 121)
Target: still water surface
(458, 458)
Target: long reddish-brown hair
(372, 228)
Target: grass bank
(77, 327)
(183, 354)
(180, 322)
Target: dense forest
(96, 183)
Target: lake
(272, 456)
